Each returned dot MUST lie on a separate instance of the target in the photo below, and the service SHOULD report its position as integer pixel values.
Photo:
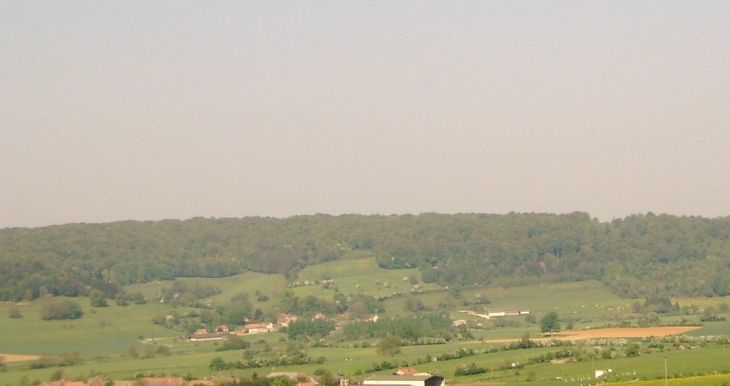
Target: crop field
(702, 302)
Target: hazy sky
(116, 110)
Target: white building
(405, 380)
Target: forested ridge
(637, 256)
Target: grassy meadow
(101, 331)
(361, 276)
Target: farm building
(405, 380)
(498, 313)
(259, 328)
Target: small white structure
(499, 313)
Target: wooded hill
(638, 256)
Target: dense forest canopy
(640, 255)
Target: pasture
(361, 276)
(101, 331)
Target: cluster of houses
(403, 377)
(282, 320)
(222, 331)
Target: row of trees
(637, 256)
(431, 325)
(358, 306)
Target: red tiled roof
(65, 383)
(163, 381)
(407, 371)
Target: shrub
(14, 312)
(121, 299)
(98, 299)
(217, 364)
(59, 310)
(234, 342)
(469, 370)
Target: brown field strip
(634, 332)
(598, 333)
(8, 358)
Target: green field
(101, 331)
(103, 336)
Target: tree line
(637, 256)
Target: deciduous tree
(390, 345)
(550, 322)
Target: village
(283, 320)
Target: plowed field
(18, 358)
(622, 333)
(597, 333)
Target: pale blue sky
(170, 109)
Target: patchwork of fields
(104, 336)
